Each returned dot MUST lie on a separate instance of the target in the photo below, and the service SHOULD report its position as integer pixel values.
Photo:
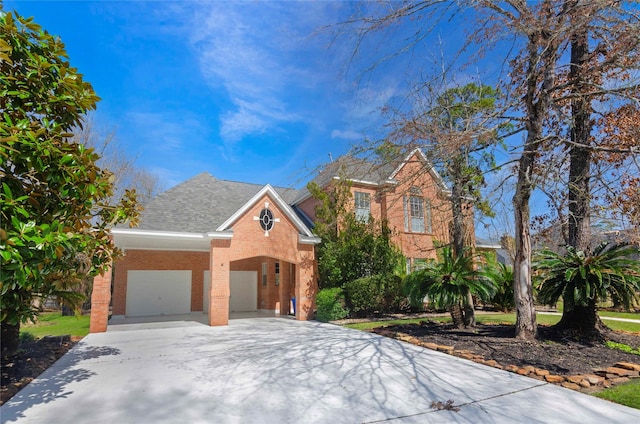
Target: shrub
(392, 292)
(377, 293)
(331, 305)
(363, 295)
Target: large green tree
(351, 248)
(55, 212)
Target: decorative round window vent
(266, 219)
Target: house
(407, 193)
(211, 246)
(214, 247)
(493, 250)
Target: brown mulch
(32, 359)
(552, 351)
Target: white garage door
(243, 287)
(158, 293)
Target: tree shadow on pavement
(52, 384)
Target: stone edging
(600, 378)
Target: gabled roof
(201, 204)
(368, 172)
(279, 201)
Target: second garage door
(243, 287)
(158, 293)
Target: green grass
(375, 324)
(629, 315)
(625, 394)
(622, 347)
(54, 324)
(493, 319)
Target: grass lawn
(54, 324)
(494, 318)
(629, 315)
(625, 394)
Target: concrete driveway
(273, 370)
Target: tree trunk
(580, 155)
(583, 322)
(10, 339)
(456, 316)
(542, 56)
(583, 319)
(67, 311)
(459, 236)
(526, 326)
(469, 311)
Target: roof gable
(419, 154)
(362, 171)
(269, 191)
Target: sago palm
(584, 279)
(446, 283)
(502, 277)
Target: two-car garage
(168, 292)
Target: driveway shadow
(52, 383)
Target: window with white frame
(417, 213)
(362, 205)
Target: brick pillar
(306, 282)
(100, 299)
(219, 294)
(283, 290)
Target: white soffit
(135, 239)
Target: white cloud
(160, 136)
(347, 135)
(262, 56)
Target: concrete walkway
(272, 370)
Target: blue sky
(250, 91)
(247, 91)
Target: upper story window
(362, 205)
(417, 212)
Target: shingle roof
(200, 204)
(358, 169)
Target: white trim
(220, 235)
(284, 207)
(353, 180)
(488, 246)
(168, 249)
(154, 233)
(308, 239)
(431, 169)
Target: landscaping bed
(574, 364)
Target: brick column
(100, 299)
(219, 294)
(306, 282)
(283, 289)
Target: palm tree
(502, 277)
(446, 283)
(583, 279)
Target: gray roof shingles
(200, 204)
